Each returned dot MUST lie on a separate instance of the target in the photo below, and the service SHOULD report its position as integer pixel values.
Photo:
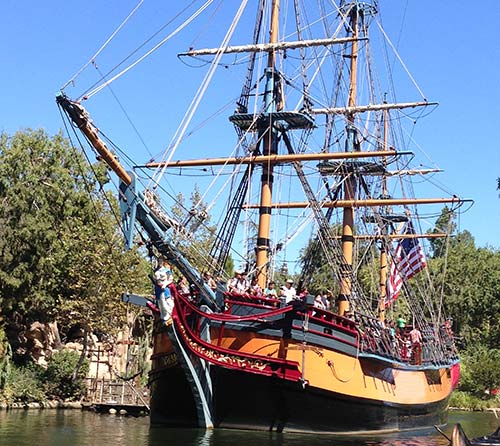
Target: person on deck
(238, 284)
(255, 289)
(183, 285)
(401, 324)
(207, 277)
(416, 345)
(163, 278)
(288, 292)
(270, 291)
(319, 303)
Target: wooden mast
(383, 243)
(350, 184)
(80, 117)
(264, 231)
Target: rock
(38, 341)
(74, 346)
(112, 411)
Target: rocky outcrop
(38, 341)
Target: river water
(82, 428)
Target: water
(77, 428)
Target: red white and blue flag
(407, 261)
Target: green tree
(196, 220)
(61, 254)
(59, 377)
(480, 370)
(444, 225)
(470, 282)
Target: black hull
(171, 401)
(248, 401)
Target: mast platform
(282, 120)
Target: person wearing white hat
(239, 283)
(288, 292)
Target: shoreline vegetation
(461, 400)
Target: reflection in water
(204, 440)
(76, 428)
(198, 437)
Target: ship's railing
(325, 324)
(191, 323)
(265, 313)
(255, 301)
(437, 346)
(364, 333)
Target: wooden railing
(116, 392)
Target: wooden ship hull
(258, 368)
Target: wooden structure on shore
(107, 388)
(123, 396)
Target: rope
(331, 364)
(92, 59)
(152, 50)
(201, 91)
(400, 60)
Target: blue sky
(451, 48)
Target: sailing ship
(310, 113)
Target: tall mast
(350, 183)
(383, 243)
(269, 140)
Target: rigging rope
(152, 50)
(92, 59)
(400, 60)
(199, 94)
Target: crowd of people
(240, 284)
(393, 338)
(407, 342)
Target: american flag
(407, 261)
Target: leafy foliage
(444, 225)
(31, 383)
(465, 400)
(58, 377)
(470, 279)
(61, 255)
(5, 358)
(314, 263)
(24, 385)
(480, 370)
(196, 221)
